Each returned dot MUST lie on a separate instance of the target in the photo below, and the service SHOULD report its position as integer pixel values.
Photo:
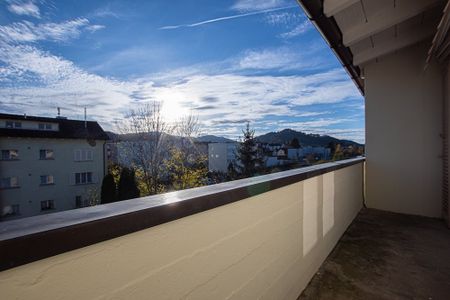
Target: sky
(228, 62)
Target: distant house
(220, 155)
(48, 164)
(320, 152)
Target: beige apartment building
(48, 164)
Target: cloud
(257, 5)
(224, 18)
(47, 81)
(283, 18)
(27, 8)
(281, 59)
(26, 32)
(106, 12)
(94, 28)
(278, 58)
(298, 30)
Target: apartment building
(49, 164)
(220, 155)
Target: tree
(231, 172)
(92, 197)
(295, 143)
(247, 154)
(186, 172)
(127, 185)
(148, 146)
(338, 153)
(186, 165)
(109, 189)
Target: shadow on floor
(386, 255)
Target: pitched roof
(68, 129)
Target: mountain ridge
(284, 136)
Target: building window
(11, 210)
(46, 154)
(83, 178)
(11, 124)
(83, 155)
(9, 183)
(47, 205)
(47, 179)
(45, 126)
(10, 154)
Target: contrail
(225, 18)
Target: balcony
(300, 233)
(258, 237)
(386, 255)
(261, 237)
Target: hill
(213, 139)
(205, 139)
(285, 137)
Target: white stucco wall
(268, 246)
(29, 168)
(403, 127)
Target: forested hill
(285, 137)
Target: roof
(68, 129)
(360, 32)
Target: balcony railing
(261, 236)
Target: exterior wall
(220, 155)
(268, 246)
(29, 168)
(403, 127)
(33, 125)
(446, 130)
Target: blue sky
(226, 61)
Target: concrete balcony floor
(386, 256)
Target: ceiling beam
(332, 7)
(385, 18)
(389, 45)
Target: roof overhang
(361, 31)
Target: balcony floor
(386, 256)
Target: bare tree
(187, 164)
(145, 145)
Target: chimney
(85, 118)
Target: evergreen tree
(109, 189)
(127, 185)
(295, 143)
(231, 171)
(247, 154)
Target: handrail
(25, 240)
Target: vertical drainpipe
(104, 159)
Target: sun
(172, 109)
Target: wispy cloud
(94, 28)
(27, 8)
(297, 30)
(25, 31)
(258, 5)
(47, 81)
(283, 18)
(225, 18)
(278, 58)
